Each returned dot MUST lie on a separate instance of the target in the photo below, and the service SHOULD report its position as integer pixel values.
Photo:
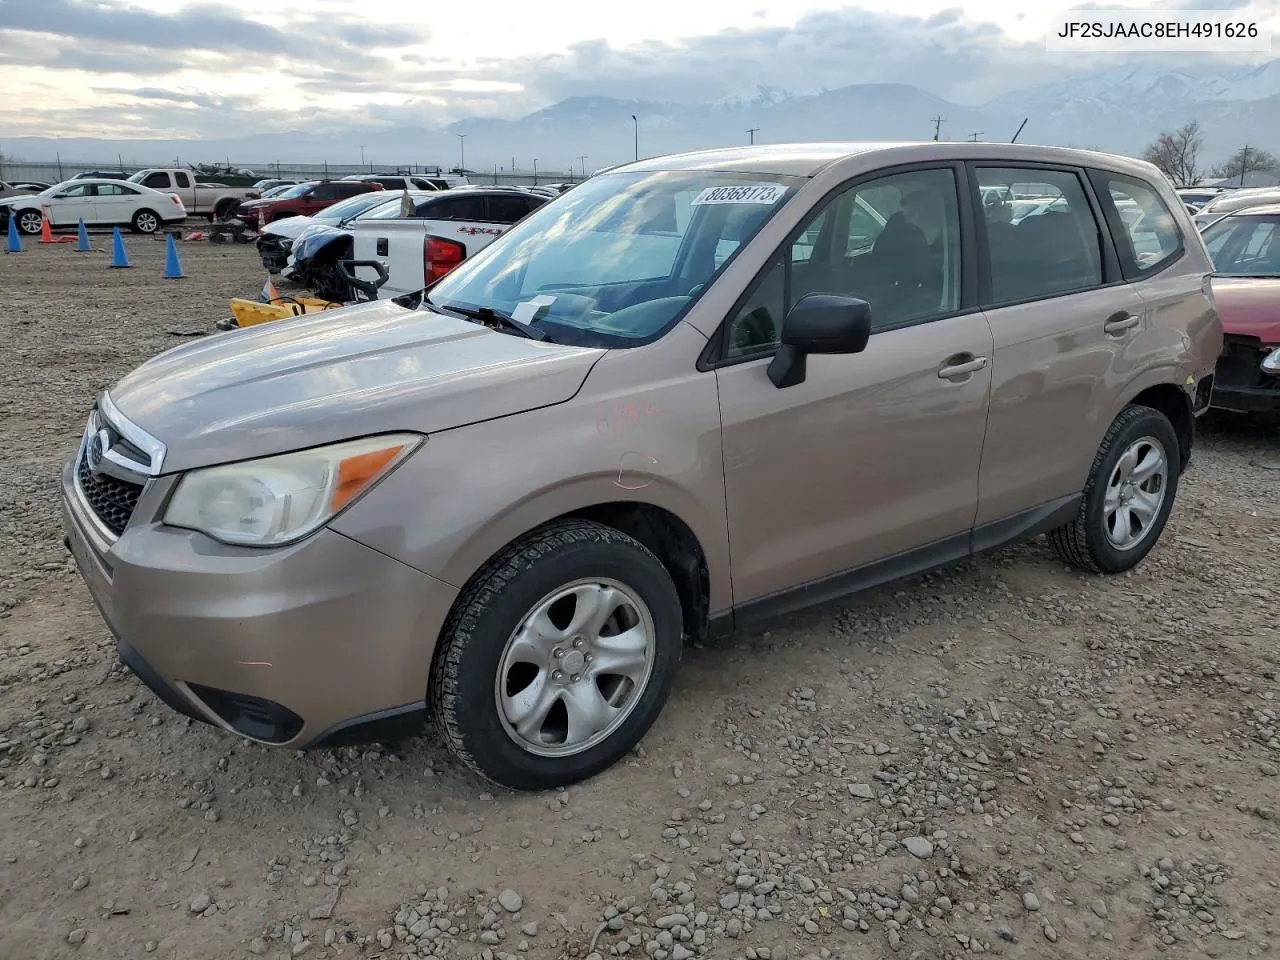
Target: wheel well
(225, 207)
(1175, 405)
(673, 543)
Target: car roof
(1262, 210)
(807, 159)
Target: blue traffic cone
(15, 241)
(118, 257)
(82, 245)
(172, 265)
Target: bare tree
(1177, 154)
(1247, 160)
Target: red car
(303, 200)
(1245, 247)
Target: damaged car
(481, 213)
(1245, 248)
(314, 253)
(276, 239)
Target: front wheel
(30, 222)
(145, 221)
(558, 658)
(1128, 496)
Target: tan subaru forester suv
(690, 393)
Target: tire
(29, 221)
(1094, 540)
(476, 658)
(145, 222)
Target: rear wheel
(146, 221)
(1128, 497)
(30, 221)
(558, 657)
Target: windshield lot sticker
(526, 312)
(766, 193)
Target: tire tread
(492, 580)
(1071, 541)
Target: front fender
(471, 491)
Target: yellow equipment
(249, 313)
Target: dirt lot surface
(1005, 758)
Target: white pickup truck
(212, 200)
(442, 231)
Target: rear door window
(456, 208)
(1055, 251)
(1146, 234)
(506, 209)
(156, 181)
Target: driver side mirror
(819, 323)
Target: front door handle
(957, 367)
(1121, 322)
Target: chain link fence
(59, 170)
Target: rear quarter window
(1146, 234)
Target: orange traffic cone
(46, 232)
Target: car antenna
(1020, 126)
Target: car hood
(289, 227)
(369, 368)
(314, 238)
(1249, 307)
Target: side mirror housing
(819, 323)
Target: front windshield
(351, 206)
(294, 192)
(1244, 246)
(617, 259)
(394, 209)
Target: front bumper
(1241, 399)
(322, 642)
(273, 251)
(1241, 385)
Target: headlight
(1271, 363)
(277, 500)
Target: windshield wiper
(494, 318)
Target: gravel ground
(1006, 757)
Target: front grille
(112, 500)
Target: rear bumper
(322, 642)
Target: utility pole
(636, 123)
(1244, 163)
(938, 121)
(973, 137)
(583, 161)
(535, 171)
(462, 155)
(362, 154)
(751, 132)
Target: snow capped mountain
(1121, 109)
(760, 97)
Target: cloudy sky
(172, 68)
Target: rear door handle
(1121, 322)
(953, 371)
